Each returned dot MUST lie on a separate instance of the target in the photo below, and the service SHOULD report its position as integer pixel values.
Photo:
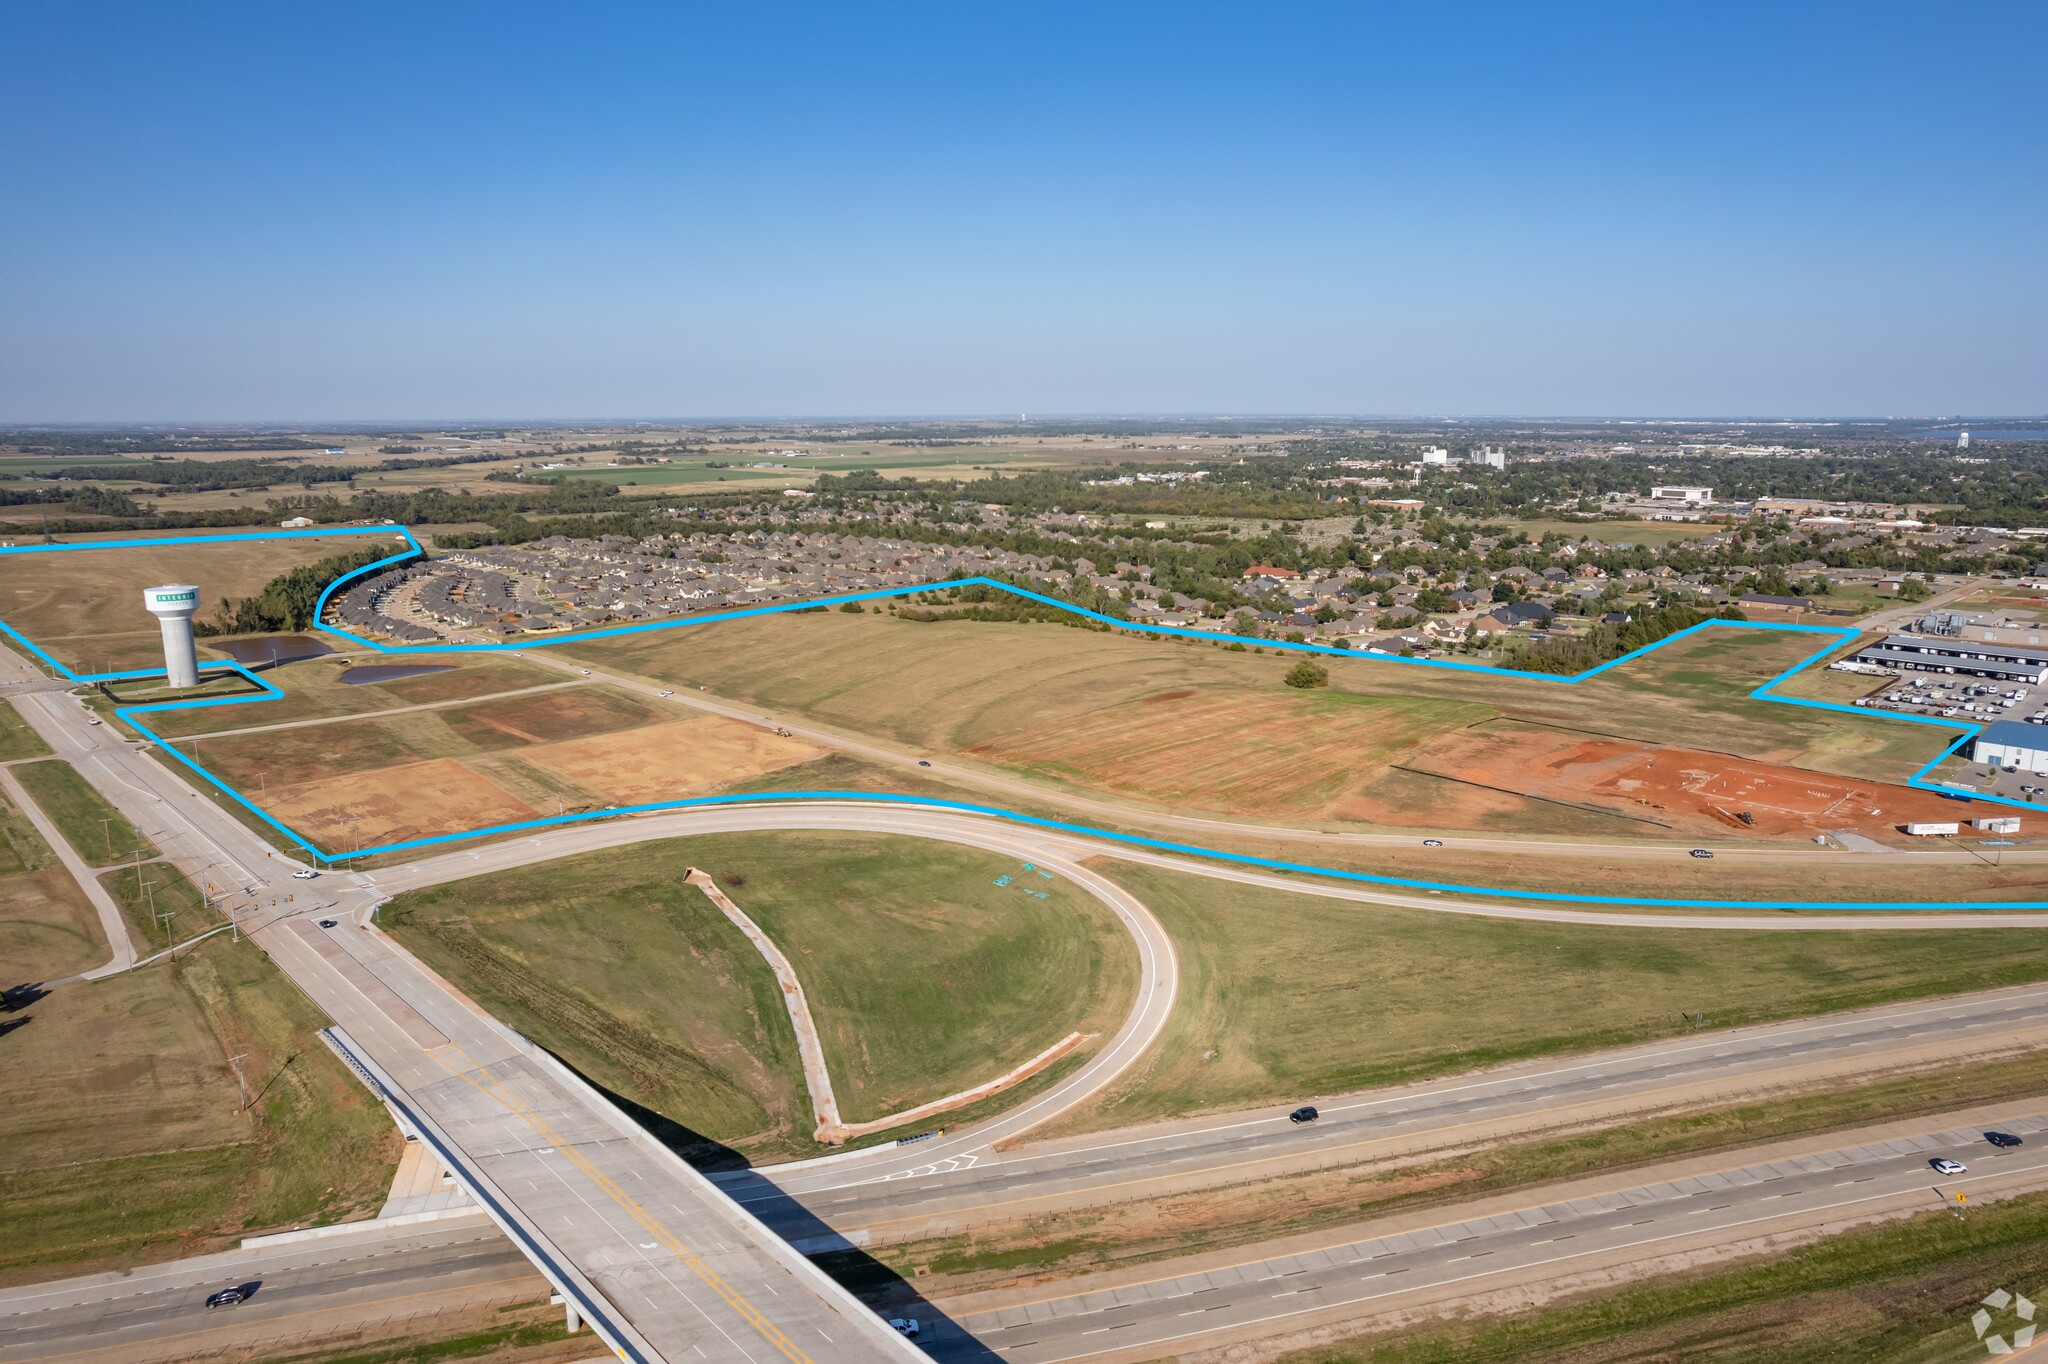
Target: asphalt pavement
(1446, 1254)
(658, 1261)
(160, 1310)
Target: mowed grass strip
(122, 1135)
(924, 976)
(1284, 996)
(161, 906)
(1899, 1293)
(17, 740)
(96, 831)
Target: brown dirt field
(671, 761)
(1688, 789)
(281, 754)
(415, 800)
(547, 717)
(1232, 750)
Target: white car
(1944, 1166)
(304, 874)
(584, 671)
(665, 693)
(904, 1326)
(92, 720)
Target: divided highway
(670, 1268)
(952, 1183)
(1141, 1314)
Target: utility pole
(107, 827)
(236, 1062)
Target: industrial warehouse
(2010, 663)
(2011, 744)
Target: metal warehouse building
(1969, 658)
(2008, 743)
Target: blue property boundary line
(1836, 636)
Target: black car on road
(228, 1297)
(1305, 1113)
(2002, 1139)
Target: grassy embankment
(123, 1130)
(161, 906)
(924, 976)
(96, 831)
(1899, 1293)
(517, 1333)
(48, 929)
(1284, 996)
(17, 740)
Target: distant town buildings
(1694, 497)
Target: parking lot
(1977, 701)
(1955, 697)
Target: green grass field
(1284, 996)
(1899, 1293)
(159, 889)
(924, 976)
(17, 740)
(1653, 534)
(95, 830)
(122, 1135)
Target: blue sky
(296, 212)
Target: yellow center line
(711, 1278)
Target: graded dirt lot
(1194, 725)
(674, 760)
(1682, 789)
(358, 783)
(394, 804)
(84, 607)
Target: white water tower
(174, 606)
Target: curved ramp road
(661, 1265)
